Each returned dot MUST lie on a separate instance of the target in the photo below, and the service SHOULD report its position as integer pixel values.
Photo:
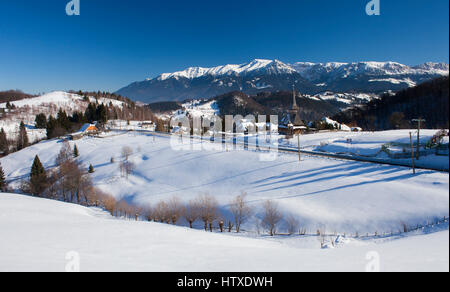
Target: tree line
(429, 101)
(13, 95)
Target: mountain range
(273, 75)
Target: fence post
(412, 153)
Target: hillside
(429, 101)
(56, 236)
(312, 108)
(343, 196)
(28, 107)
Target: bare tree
(176, 209)
(161, 212)
(192, 212)
(148, 213)
(230, 225)
(208, 210)
(292, 224)
(126, 168)
(123, 209)
(272, 217)
(240, 210)
(126, 152)
(107, 201)
(65, 154)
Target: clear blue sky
(116, 42)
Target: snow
(337, 125)
(395, 81)
(344, 196)
(343, 70)
(272, 66)
(48, 104)
(198, 108)
(44, 235)
(370, 144)
(12, 130)
(59, 98)
(348, 98)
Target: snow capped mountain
(273, 75)
(313, 71)
(309, 70)
(256, 66)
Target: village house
(87, 129)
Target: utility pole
(299, 153)
(419, 125)
(412, 153)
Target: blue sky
(114, 42)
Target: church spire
(294, 104)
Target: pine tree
(3, 184)
(51, 127)
(90, 113)
(75, 151)
(4, 145)
(41, 121)
(22, 139)
(63, 120)
(38, 177)
(91, 169)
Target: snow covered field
(44, 235)
(370, 144)
(335, 195)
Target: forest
(429, 101)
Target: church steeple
(294, 96)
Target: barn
(87, 129)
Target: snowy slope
(344, 196)
(44, 235)
(59, 99)
(49, 104)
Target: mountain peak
(254, 66)
(261, 75)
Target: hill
(429, 101)
(68, 237)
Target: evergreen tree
(77, 118)
(76, 153)
(101, 114)
(22, 139)
(3, 184)
(38, 177)
(52, 124)
(63, 120)
(90, 113)
(4, 145)
(41, 121)
(91, 169)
